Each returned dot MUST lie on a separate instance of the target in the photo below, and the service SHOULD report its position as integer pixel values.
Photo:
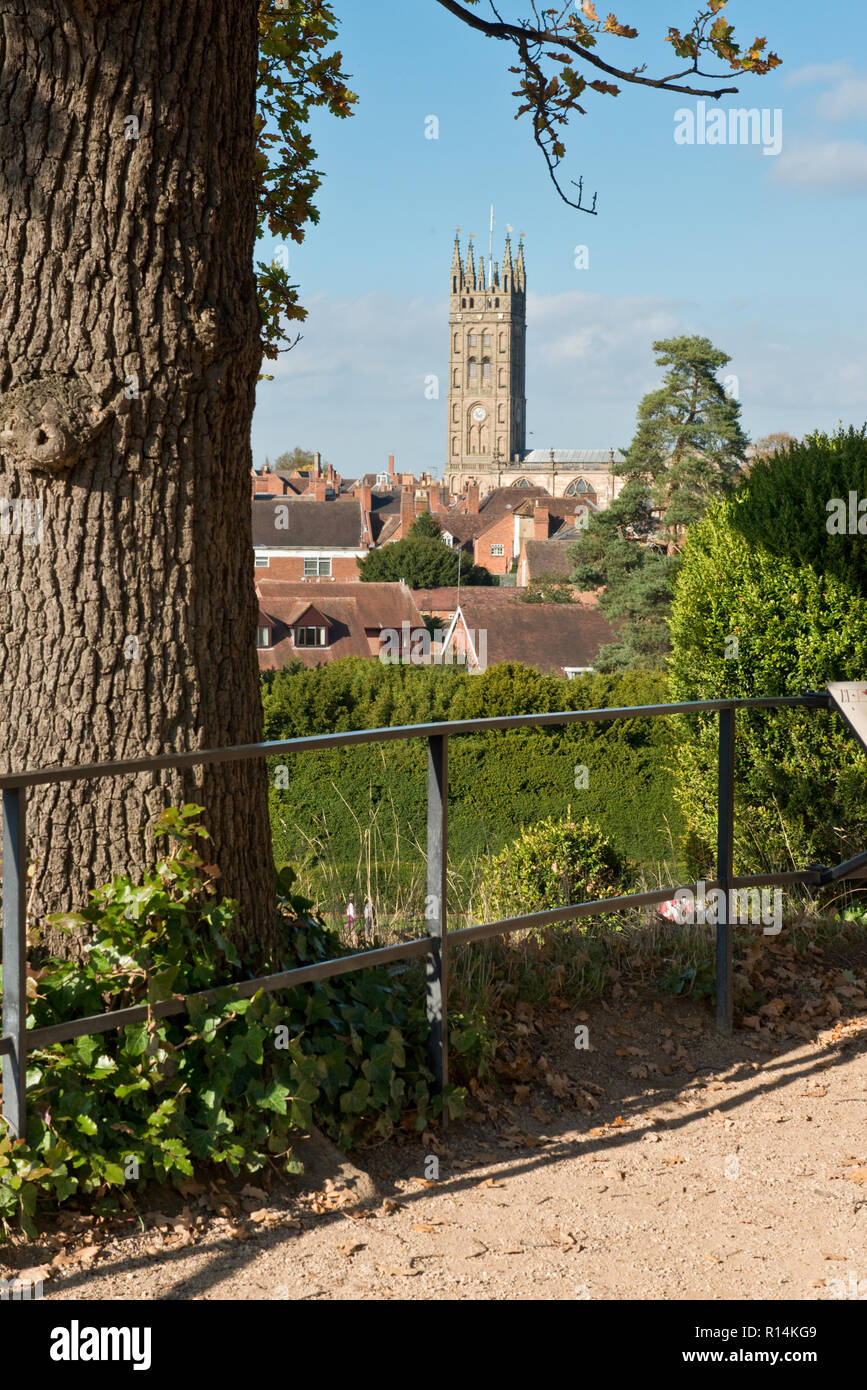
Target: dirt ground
(659, 1162)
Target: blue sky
(762, 254)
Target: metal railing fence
(16, 1039)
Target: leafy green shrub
(768, 602)
(226, 1084)
(551, 864)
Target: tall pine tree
(688, 448)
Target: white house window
(498, 549)
(448, 538)
(313, 567)
(263, 638)
(262, 562)
(310, 636)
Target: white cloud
(846, 101)
(818, 72)
(835, 165)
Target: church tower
(487, 365)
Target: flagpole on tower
(491, 251)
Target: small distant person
(369, 917)
(350, 916)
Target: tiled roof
(503, 499)
(351, 609)
(328, 525)
(549, 557)
(445, 600)
(549, 636)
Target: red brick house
(300, 538)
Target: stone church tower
(487, 364)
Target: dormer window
(263, 638)
(310, 637)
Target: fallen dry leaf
(676, 1159)
(350, 1247)
(427, 1228)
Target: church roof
(599, 458)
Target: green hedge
(768, 602)
(499, 782)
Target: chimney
(365, 497)
(434, 503)
(317, 464)
(391, 468)
(472, 506)
(331, 474)
(540, 522)
(407, 510)
(319, 489)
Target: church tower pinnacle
(487, 364)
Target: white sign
(850, 697)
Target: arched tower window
(474, 368)
(522, 482)
(486, 369)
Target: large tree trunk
(129, 350)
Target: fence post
(14, 957)
(435, 906)
(724, 868)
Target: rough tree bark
(129, 350)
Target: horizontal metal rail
(16, 1040)
(311, 742)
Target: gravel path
(660, 1163)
